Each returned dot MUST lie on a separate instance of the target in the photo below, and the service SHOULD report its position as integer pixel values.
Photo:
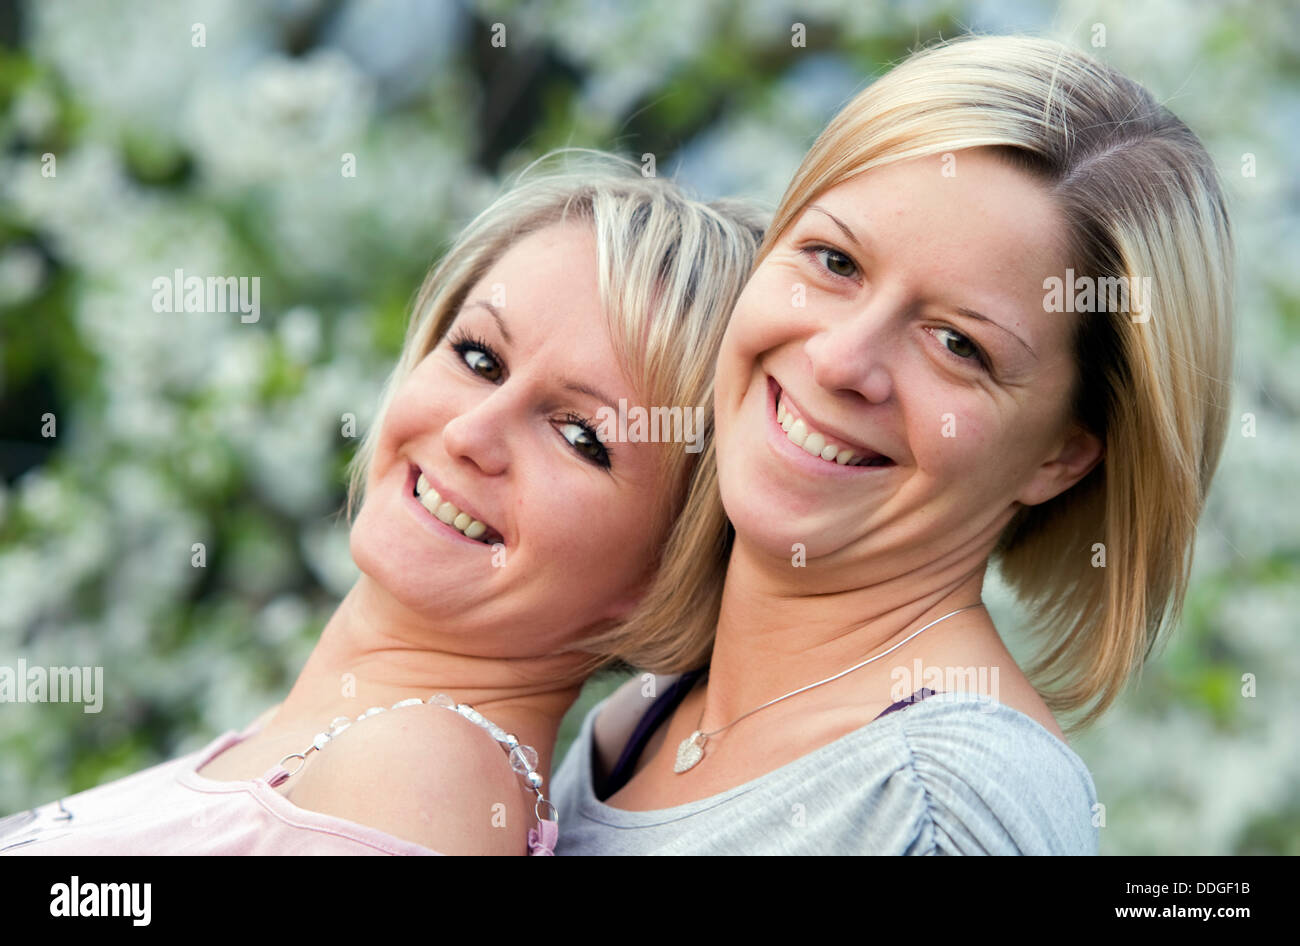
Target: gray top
(959, 773)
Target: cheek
(385, 456)
(418, 408)
(974, 447)
(762, 320)
(594, 541)
(767, 311)
(732, 352)
(953, 434)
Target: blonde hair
(1140, 197)
(670, 270)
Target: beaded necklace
(523, 759)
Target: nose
(851, 355)
(477, 433)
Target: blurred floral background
(212, 137)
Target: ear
(1077, 455)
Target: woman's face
(862, 322)
(499, 418)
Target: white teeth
(815, 442)
(460, 521)
(430, 500)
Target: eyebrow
(841, 224)
(569, 385)
(969, 313)
(496, 314)
(590, 392)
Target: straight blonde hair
(670, 271)
(1140, 196)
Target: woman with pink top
(509, 530)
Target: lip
(431, 521)
(782, 445)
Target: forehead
(546, 290)
(957, 196)
(553, 269)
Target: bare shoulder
(424, 775)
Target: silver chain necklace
(691, 749)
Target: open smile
(792, 435)
(445, 515)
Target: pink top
(171, 809)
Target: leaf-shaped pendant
(689, 752)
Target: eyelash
(812, 252)
(463, 342)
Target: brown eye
(585, 440)
(836, 262)
(478, 356)
(482, 364)
(963, 348)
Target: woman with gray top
(991, 322)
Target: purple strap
(916, 697)
(659, 710)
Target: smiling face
(886, 356)
(500, 419)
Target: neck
(781, 628)
(375, 652)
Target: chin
(371, 557)
(359, 545)
(390, 564)
(756, 516)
